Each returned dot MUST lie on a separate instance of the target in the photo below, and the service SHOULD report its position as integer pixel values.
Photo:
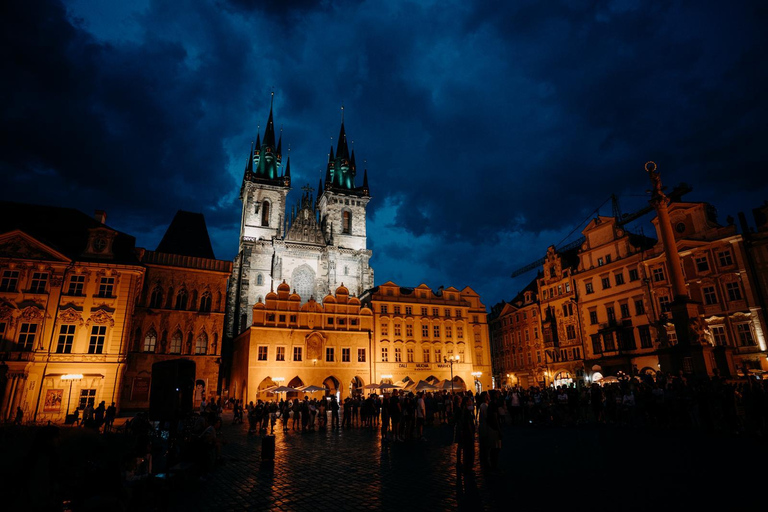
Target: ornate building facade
(314, 246)
(180, 313)
(288, 343)
(68, 289)
(417, 330)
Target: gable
(19, 245)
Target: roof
(187, 236)
(63, 229)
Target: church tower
(263, 194)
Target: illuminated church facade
(314, 246)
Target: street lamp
(451, 360)
(70, 377)
(477, 376)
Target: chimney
(100, 216)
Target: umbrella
(285, 389)
(270, 389)
(607, 380)
(384, 387)
(312, 389)
(371, 386)
(425, 386)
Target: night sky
(490, 130)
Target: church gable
(305, 228)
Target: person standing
(466, 417)
(19, 416)
(482, 427)
(334, 412)
(421, 414)
(109, 417)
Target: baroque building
(314, 246)
(68, 288)
(180, 312)
(418, 331)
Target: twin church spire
(265, 161)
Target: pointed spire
(352, 161)
(269, 133)
(330, 155)
(288, 168)
(258, 142)
(319, 186)
(342, 151)
(365, 179)
(280, 144)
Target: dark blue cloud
(490, 130)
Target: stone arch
(356, 386)
(295, 382)
(267, 382)
(331, 384)
(303, 280)
(459, 383)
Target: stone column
(21, 381)
(10, 379)
(11, 394)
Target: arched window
(205, 303)
(181, 299)
(150, 340)
(346, 222)
(259, 280)
(156, 299)
(176, 343)
(201, 345)
(265, 213)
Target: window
(460, 332)
(27, 334)
(425, 331)
(710, 296)
(66, 338)
(384, 309)
(664, 305)
(265, 213)
(606, 282)
(610, 313)
(600, 262)
(293, 320)
(719, 336)
(645, 336)
(461, 355)
(447, 313)
(87, 397)
(262, 353)
(567, 287)
(150, 341)
(658, 274)
(457, 314)
(438, 355)
(361, 355)
(279, 353)
(345, 355)
(436, 331)
(593, 317)
(672, 336)
(329, 354)
(176, 343)
(733, 290)
(297, 353)
(259, 280)
(425, 355)
(10, 281)
(39, 282)
(384, 329)
(639, 307)
(702, 265)
(409, 330)
(409, 353)
(398, 355)
(570, 332)
(201, 344)
(205, 303)
(330, 320)
(435, 312)
(156, 298)
(597, 348)
(397, 310)
(589, 288)
(98, 335)
(619, 278)
(76, 285)
(448, 331)
(527, 335)
(181, 299)
(384, 355)
(106, 287)
(609, 341)
(745, 335)
(281, 319)
(724, 257)
(633, 275)
(536, 332)
(346, 222)
(423, 311)
(398, 329)
(624, 308)
(408, 310)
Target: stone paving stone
(350, 469)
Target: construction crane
(621, 219)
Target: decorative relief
(71, 316)
(100, 316)
(32, 314)
(314, 346)
(19, 247)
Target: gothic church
(314, 246)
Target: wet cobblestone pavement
(348, 469)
